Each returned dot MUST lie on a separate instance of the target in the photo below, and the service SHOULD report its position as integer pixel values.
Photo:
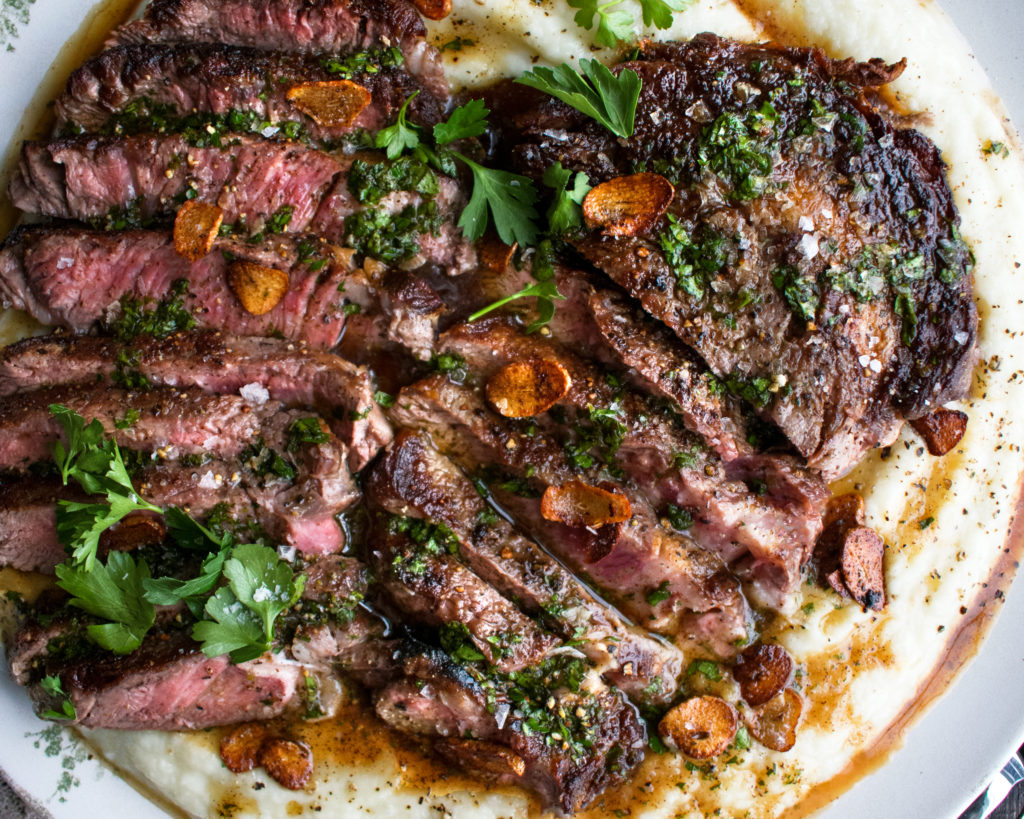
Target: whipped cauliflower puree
(945, 520)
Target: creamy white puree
(859, 669)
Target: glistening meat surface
(217, 363)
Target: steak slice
(670, 466)
(337, 390)
(168, 684)
(212, 78)
(672, 371)
(317, 27)
(301, 486)
(261, 185)
(249, 177)
(75, 278)
(814, 261)
(479, 723)
(438, 590)
(333, 628)
(414, 479)
(28, 527)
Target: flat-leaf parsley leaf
(594, 91)
(112, 592)
(95, 462)
(260, 586)
(509, 198)
(565, 213)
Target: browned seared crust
(487, 759)
(132, 532)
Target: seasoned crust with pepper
(811, 255)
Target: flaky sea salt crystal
(254, 393)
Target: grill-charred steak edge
(471, 719)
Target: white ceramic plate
(948, 756)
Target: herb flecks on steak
(811, 255)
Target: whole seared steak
(811, 254)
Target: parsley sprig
(545, 289)
(113, 592)
(55, 688)
(237, 618)
(615, 25)
(505, 198)
(242, 614)
(95, 463)
(565, 213)
(594, 91)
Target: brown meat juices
(538, 551)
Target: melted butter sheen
(863, 676)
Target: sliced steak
(261, 185)
(332, 628)
(670, 466)
(75, 278)
(249, 177)
(480, 723)
(28, 526)
(627, 562)
(672, 371)
(814, 262)
(414, 479)
(317, 27)
(339, 391)
(107, 92)
(168, 684)
(300, 486)
(438, 590)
